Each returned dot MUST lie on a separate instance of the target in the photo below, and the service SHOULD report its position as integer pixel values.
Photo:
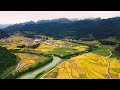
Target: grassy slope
(8, 61)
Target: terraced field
(88, 66)
(27, 60)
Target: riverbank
(31, 75)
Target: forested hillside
(98, 28)
(7, 61)
(3, 34)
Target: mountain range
(59, 28)
(4, 25)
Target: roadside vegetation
(39, 75)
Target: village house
(68, 39)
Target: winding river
(31, 75)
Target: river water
(31, 75)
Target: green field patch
(95, 42)
(71, 44)
(50, 74)
(116, 70)
(83, 76)
(103, 50)
(63, 51)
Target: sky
(12, 17)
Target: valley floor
(71, 60)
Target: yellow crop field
(89, 66)
(11, 46)
(60, 42)
(25, 64)
(14, 41)
(27, 60)
(45, 48)
(16, 38)
(25, 56)
(81, 48)
(21, 43)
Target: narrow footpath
(108, 68)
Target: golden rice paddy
(87, 66)
(27, 60)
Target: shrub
(105, 42)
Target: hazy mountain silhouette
(99, 28)
(4, 25)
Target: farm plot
(60, 51)
(45, 48)
(90, 66)
(28, 60)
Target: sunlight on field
(14, 41)
(45, 48)
(26, 64)
(60, 42)
(11, 46)
(81, 48)
(26, 60)
(59, 47)
(89, 66)
(16, 38)
(25, 56)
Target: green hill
(8, 62)
(3, 34)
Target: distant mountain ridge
(4, 25)
(29, 22)
(59, 20)
(59, 28)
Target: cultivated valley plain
(44, 58)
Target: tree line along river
(31, 75)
